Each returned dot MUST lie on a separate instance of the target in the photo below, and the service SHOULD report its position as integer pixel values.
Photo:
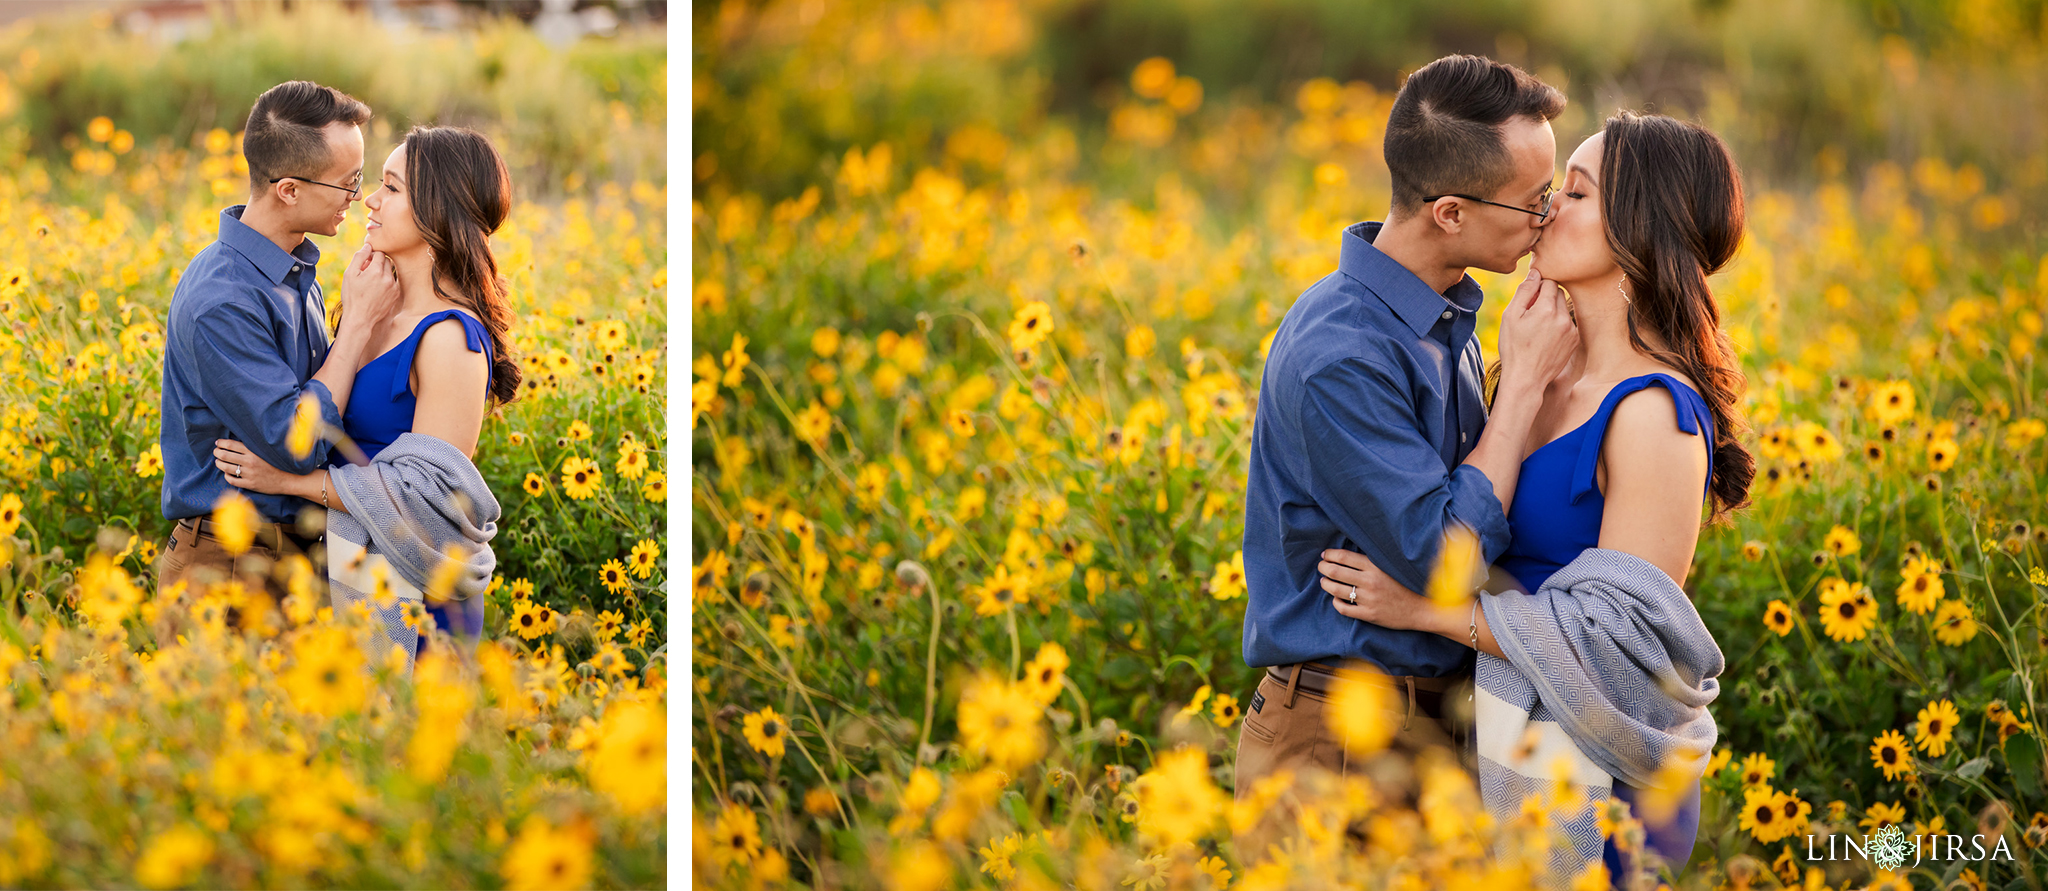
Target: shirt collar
(1401, 289)
(274, 262)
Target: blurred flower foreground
(973, 381)
(189, 738)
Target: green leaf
(1973, 768)
(2023, 758)
(1122, 669)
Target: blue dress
(380, 409)
(1556, 516)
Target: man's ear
(1448, 214)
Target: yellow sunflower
(1892, 402)
(1941, 453)
(1841, 541)
(1847, 611)
(1936, 726)
(580, 477)
(1954, 623)
(1889, 754)
(1761, 816)
(813, 424)
(534, 485)
(151, 464)
(1922, 589)
(526, 620)
(645, 557)
(1778, 617)
(544, 857)
(1001, 721)
(655, 489)
(609, 335)
(1001, 591)
(1031, 325)
(327, 676)
(613, 575)
(1757, 769)
(632, 460)
(10, 514)
(1042, 677)
(766, 732)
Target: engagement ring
(1354, 593)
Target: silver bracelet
(1473, 626)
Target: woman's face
(1574, 247)
(392, 228)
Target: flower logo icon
(1890, 848)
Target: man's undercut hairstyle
(1444, 133)
(286, 133)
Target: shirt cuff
(1473, 503)
(328, 412)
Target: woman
(440, 361)
(1638, 430)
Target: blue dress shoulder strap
(474, 333)
(1694, 417)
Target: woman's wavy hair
(461, 193)
(1672, 198)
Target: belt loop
(1411, 702)
(1293, 684)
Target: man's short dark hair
(1444, 133)
(285, 133)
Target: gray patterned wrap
(1609, 667)
(419, 498)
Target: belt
(1423, 694)
(269, 535)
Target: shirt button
(1447, 314)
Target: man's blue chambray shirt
(1357, 445)
(247, 330)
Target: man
(1371, 434)
(247, 336)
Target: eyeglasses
(1542, 215)
(357, 190)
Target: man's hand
(1537, 334)
(1379, 599)
(369, 290)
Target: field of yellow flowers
(194, 738)
(969, 413)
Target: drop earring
(1624, 291)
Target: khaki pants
(196, 558)
(1286, 727)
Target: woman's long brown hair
(1672, 198)
(461, 193)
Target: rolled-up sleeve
(249, 385)
(1381, 481)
